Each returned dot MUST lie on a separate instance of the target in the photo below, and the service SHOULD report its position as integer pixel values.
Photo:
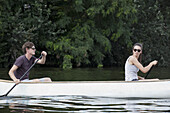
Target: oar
(149, 72)
(22, 76)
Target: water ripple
(81, 104)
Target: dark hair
(27, 45)
(140, 45)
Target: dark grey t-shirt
(23, 65)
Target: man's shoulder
(19, 61)
(21, 57)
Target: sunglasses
(138, 50)
(33, 48)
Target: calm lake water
(84, 104)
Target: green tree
(151, 31)
(23, 21)
(89, 29)
(85, 32)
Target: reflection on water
(81, 104)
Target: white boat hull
(117, 89)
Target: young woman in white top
(133, 65)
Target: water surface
(81, 104)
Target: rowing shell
(117, 89)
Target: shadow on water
(92, 74)
(88, 74)
(76, 74)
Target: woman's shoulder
(132, 59)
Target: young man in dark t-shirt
(24, 62)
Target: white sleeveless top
(130, 71)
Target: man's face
(31, 50)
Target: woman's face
(137, 50)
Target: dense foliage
(152, 29)
(85, 32)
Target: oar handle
(23, 75)
(149, 72)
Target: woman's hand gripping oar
(22, 77)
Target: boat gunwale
(54, 82)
